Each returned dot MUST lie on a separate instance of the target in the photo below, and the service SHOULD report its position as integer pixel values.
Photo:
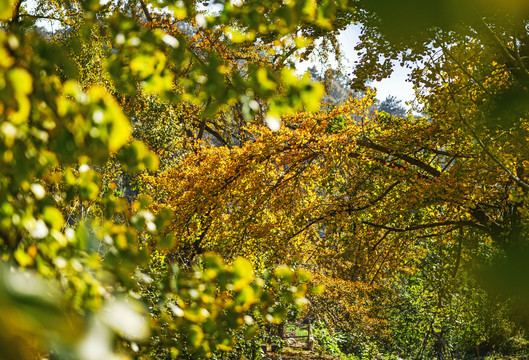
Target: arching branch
(365, 142)
(427, 226)
(146, 10)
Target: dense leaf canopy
(169, 180)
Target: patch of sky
(396, 85)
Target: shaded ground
(297, 345)
(291, 354)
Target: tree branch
(283, 57)
(427, 226)
(308, 225)
(216, 135)
(489, 153)
(506, 51)
(47, 17)
(375, 200)
(462, 68)
(146, 11)
(365, 142)
(204, 120)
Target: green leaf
(120, 128)
(22, 84)
(264, 81)
(6, 9)
(245, 299)
(303, 275)
(278, 314)
(250, 332)
(23, 258)
(284, 273)
(195, 336)
(83, 236)
(21, 81)
(137, 157)
(53, 217)
(243, 272)
(317, 290)
(166, 242)
(212, 261)
(88, 185)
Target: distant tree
(392, 106)
(337, 89)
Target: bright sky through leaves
(396, 85)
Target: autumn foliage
(172, 188)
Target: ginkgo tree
(76, 250)
(473, 76)
(138, 137)
(374, 190)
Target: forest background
(171, 188)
